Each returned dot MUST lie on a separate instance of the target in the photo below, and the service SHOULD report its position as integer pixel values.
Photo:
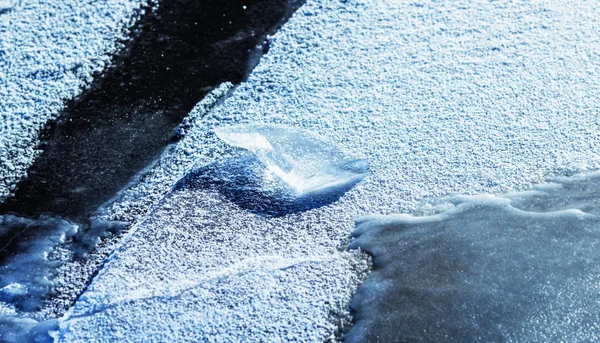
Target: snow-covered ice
(441, 97)
(49, 51)
(522, 268)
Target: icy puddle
(521, 267)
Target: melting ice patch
(521, 267)
(306, 163)
(31, 253)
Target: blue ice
(305, 162)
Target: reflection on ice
(21, 330)
(521, 267)
(27, 259)
(304, 162)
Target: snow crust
(455, 97)
(6, 5)
(486, 270)
(49, 51)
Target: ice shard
(305, 162)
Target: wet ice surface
(34, 254)
(21, 330)
(30, 243)
(178, 53)
(523, 267)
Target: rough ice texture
(441, 97)
(201, 268)
(49, 51)
(55, 252)
(486, 270)
(6, 5)
(25, 288)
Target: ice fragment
(308, 164)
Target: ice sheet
(34, 255)
(6, 5)
(486, 270)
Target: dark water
(177, 54)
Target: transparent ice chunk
(305, 162)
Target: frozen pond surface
(440, 97)
(522, 268)
(178, 52)
(49, 52)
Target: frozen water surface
(109, 132)
(444, 97)
(308, 164)
(523, 267)
(30, 243)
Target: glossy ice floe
(306, 163)
(521, 267)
